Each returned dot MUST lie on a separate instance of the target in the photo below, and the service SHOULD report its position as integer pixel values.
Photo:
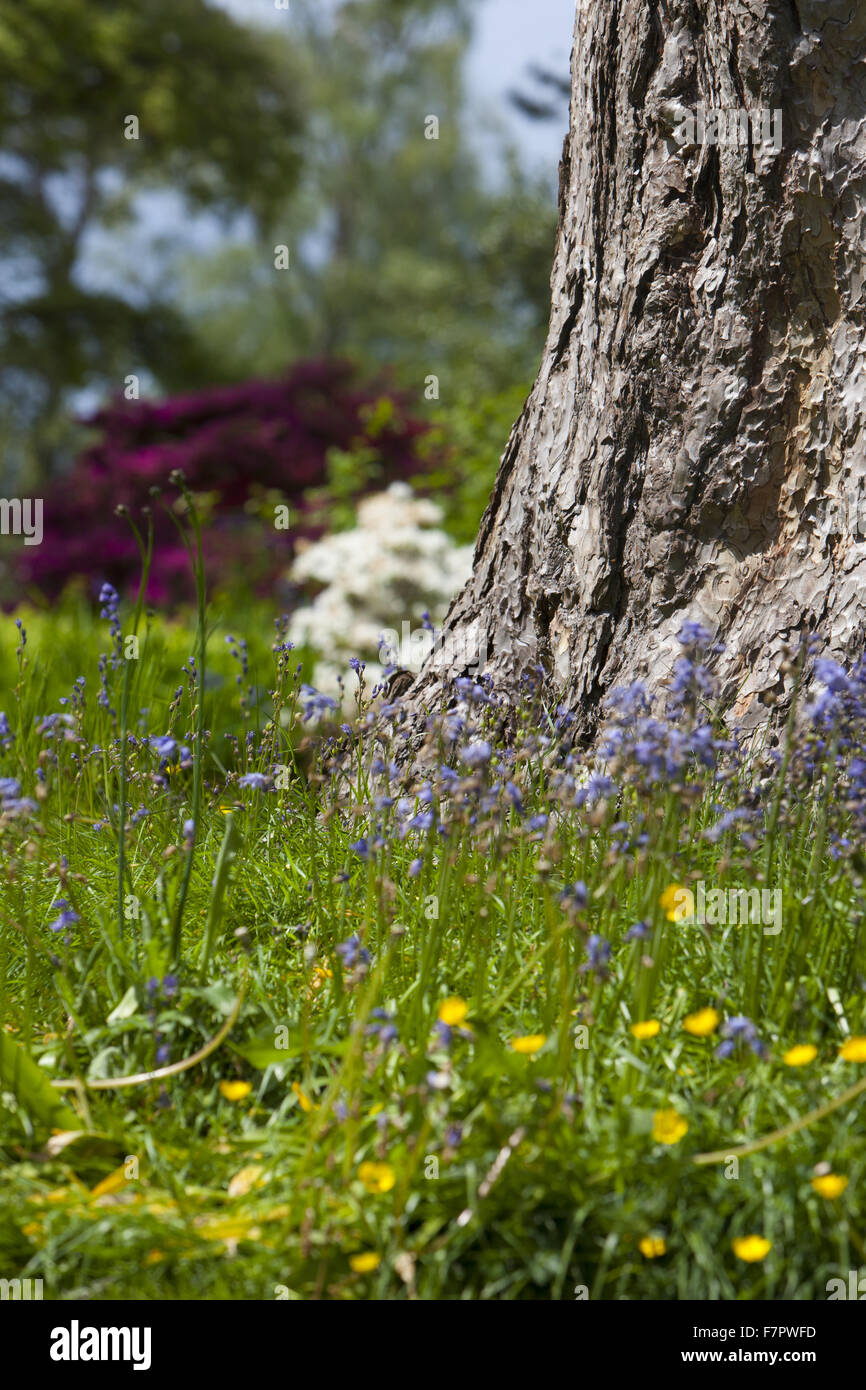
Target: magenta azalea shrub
(242, 450)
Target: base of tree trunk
(694, 444)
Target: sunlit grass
(416, 1033)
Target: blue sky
(509, 36)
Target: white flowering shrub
(396, 566)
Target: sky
(509, 36)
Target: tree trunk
(694, 443)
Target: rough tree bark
(694, 443)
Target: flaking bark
(694, 443)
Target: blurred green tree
(403, 251)
(100, 99)
(416, 240)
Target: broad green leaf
(31, 1087)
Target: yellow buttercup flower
(800, 1055)
(235, 1090)
(751, 1248)
(831, 1185)
(652, 1246)
(377, 1177)
(648, 1029)
(677, 902)
(854, 1050)
(702, 1023)
(668, 1126)
(452, 1011)
(366, 1262)
(533, 1042)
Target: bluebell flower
(834, 676)
(164, 746)
(352, 953)
(598, 787)
(382, 1026)
(471, 690)
(739, 1031)
(315, 703)
(598, 954)
(68, 916)
(110, 601)
(257, 780)
(639, 931)
(477, 754)
(575, 895)
(694, 634)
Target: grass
(393, 1009)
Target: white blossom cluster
(384, 575)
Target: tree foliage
(100, 99)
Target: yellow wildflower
(235, 1090)
(366, 1262)
(800, 1055)
(452, 1011)
(668, 1127)
(701, 1023)
(533, 1042)
(652, 1246)
(831, 1185)
(648, 1029)
(377, 1177)
(677, 902)
(751, 1248)
(854, 1050)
